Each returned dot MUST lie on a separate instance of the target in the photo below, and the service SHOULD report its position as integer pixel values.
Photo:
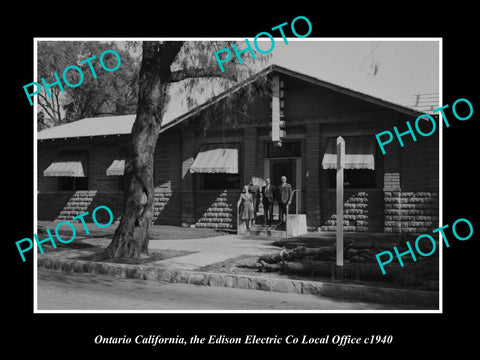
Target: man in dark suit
(284, 193)
(254, 189)
(268, 195)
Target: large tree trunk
(131, 236)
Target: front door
(282, 167)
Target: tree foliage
(204, 81)
(111, 93)
(169, 71)
(164, 64)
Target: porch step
(277, 231)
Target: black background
(72, 334)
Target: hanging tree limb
(183, 74)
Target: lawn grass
(177, 232)
(320, 239)
(421, 275)
(156, 231)
(152, 256)
(411, 276)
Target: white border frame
(35, 179)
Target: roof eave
(310, 79)
(347, 91)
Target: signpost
(340, 167)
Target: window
(72, 183)
(288, 149)
(221, 181)
(353, 178)
(360, 162)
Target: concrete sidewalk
(211, 250)
(208, 250)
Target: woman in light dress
(246, 206)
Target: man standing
(285, 191)
(268, 195)
(254, 189)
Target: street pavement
(58, 290)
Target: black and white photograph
(208, 184)
(183, 182)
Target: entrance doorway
(283, 167)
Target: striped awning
(216, 158)
(68, 164)
(117, 167)
(359, 153)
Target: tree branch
(180, 75)
(47, 110)
(48, 106)
(99, 105)
(59, 114)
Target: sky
(405, 68)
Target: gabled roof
(119, 125)
(347, 91)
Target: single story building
(201, 163)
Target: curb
(331, 290)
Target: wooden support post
(340, 166)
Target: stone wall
(217, 210)
(411, 212)
(51, 203)
(105, 190)
(411, 192)
(167, 209)
(78, 204)
(363, 211)
(64, 206)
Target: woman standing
(246, 206)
